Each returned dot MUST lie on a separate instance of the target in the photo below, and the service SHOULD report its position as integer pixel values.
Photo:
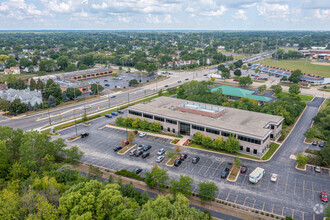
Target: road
(295, 194)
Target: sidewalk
(183, 140)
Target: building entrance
(185, 129)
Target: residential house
(12, 70)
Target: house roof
(239, 92)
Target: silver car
(161, 151)
(160, 159)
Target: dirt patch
(323, 64)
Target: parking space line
(236, 198)
(218, 195)
(263, 206)
(228, 195)
(313, 217)
(303, 215)
(268, 185)
(294, 189)
(245, 201)
(273, 208)
(313, 190)
(304, 189)
(200, 169)
(282, 210)
(209, 167)
(195, 188)
(254, 203)
(286, 184)
(292, 212)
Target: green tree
(119, 121)
(73, 93)
(155, 126)
(96, 88)
(40, 85)
(51, 101)
(47, 65)
(63, 62)
(295, 76)
(33, 84)
(207, 190)
(17, 107)
(198, 137)
(277, 89)
(151, 68)
(225, 75)
(262, 88)
(183, 185)
(245, 81)
(237, 72)
(157, 178)
(71, 67)
(301, 159)
(327, 211)
(133, 82)
(52, 89)
(232, 144)
(9, 204)
(218, 143)
(140, 66)
(34, 60)
(324, 156)
(136, 123)
(128, 122)
(144, 125)
(94, 173)
(73, 154)
(294, 89)
(4, 105)
(24, 62)
(207, 141)
(11, 62)
(131, 136)
(160, 92)
(170, 154)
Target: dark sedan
(177, 162)
(137, 170)
(117, 148)
(146, 148)
(224, 174)
(145, 154)
(138, 153)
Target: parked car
(113, 96)
(228, 167)
(160, 159)
(145, 154)
(140, 147)
(224, 174)
(138, 153)
(126, 143)
(161, 151)
(317, 169)
(83, 135)
(243, 169)
(106, 85)
(108, 116)
(132, 152)
(183, 157)
(114, 113)
(179, 81)
(273, 177)
(322, 143)
(166, 86)
(145, 148)
(120, 111)
(177, 162)
(187, 79)
(324, 196)
(195, 160)
(137, 170)
(142, 134)
(105, 80)
(117, 148)
(315, 143)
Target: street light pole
(109, 98)
(50, 122)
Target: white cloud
(100, 6)
(273, 10)
(168, 19)
(61, 7)
(322, 14)
(152, 19)
(218, 12)
(124, 19)
(240, 14)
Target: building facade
(254, 130)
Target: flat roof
(233, 120)
(83, 72)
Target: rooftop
(233, 120)
(235, 91)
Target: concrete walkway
(183, 140)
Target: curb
(73, 139)
(234, 180)
(127, 150)
(300, 168)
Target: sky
(164, 15)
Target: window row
(171, 121)
(251, 140)
(212, 131)
(158, 118)
(135, 113)
(198, 128)
(147, 116)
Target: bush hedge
(130, 174)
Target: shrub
(124, 172)
(262, 213)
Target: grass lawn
(127, 148)
(272, 148)
(320, 70)
(234, 172)
(171, 161)
(224, 152)
(305, 98)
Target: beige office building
(254, 130)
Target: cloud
(218, 12)
(168, 19)
(61, 7)
(100, 6)
(322, 14)
(124, 19)
(152, 19)
(273, 10)
(240, 14)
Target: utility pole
(261, 47)
(276, 50)
(109, 98)
(75, 121)
(50, 122)
(127, 97)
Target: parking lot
(295, 193)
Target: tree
(73, 154)
(73, 93)
(170, 154)
(51, 101)
(144, 125)
(225, 75)
(262, 88)
(237, 72)
(131, 136)
(47, 65)
(177, 148)
(157, 178)
(4, 105)
(51, 88)
(133, 82)
(168, 207)
(284, 78)
(11, 62)
(128, 122)
(136, 123)
(232, 144)
(119, 121)
(183, 185)
(245, 81)
(237, 162)
(160, 92)
(96, 88)
(238, 64)
(3, 58)
(71, 67)
(198, 138)
(294, 89)
(33, 84)
(327, 211)
(207, 190)
(155, 126)
(295, 76)
(276, 88)
(87, 60)
(24, 62)
(301, 159)
(63, 62)
(151, 68)
(94, 173)
(17, 107)
(34, 60)
(207, 141)
(40, 85)
(218, 143)
(84, 117)
(324, 156)
(140, 66)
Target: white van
(256, 175)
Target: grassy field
(320, 70)
(305, 98)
